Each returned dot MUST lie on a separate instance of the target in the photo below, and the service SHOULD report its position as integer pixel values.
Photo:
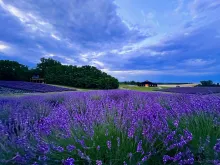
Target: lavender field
(194, 90)
(116, 127)
(29, 87)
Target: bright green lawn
(137, 88)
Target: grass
(143, 89)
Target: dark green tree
(207, 83)
(12, 70)
(81, 77)
(46, 63)
(56, 73)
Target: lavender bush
(110, 127)
(32, 87)
(195, 90)
(9, 91)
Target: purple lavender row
(193, 90)
(34, 87)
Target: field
(195, 90)
(174, 85)
(10, 91)
(143, 89)
(20, 87)
(110, 127)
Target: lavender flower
(176, 123)
(82, 143)
(44, 148)
(217, 146)
(139, 146)
(69, 161)
(59, 149)
(216, 162)
(25, 122)
(81, 154)
(18, 158)
(167, 158)
(144, 159)
(98, 148)
(177, 157)
(188, 135)
(109, 144)
(98, 162)
(70, 148)
(42, 158)
(187, 161)
(131, 132)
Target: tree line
(55, 73)
(208, 83)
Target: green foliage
(129, 82)
(97, 149)
(46, 63)
(12, 70)
(81, 77)
(205, 133)
(55, 73)
(207, 83)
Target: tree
(81, 77)
(12, 70)
(46, 63)
(56, 73)
(207, 83)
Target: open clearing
(143, 89)
(180, 85)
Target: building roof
(147, 82)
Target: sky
(161, 41)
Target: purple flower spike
(167, 158)
(109, 144)
(98, 162)
(44, 148)
(98, 148)
(217, 146)
(176, 123)
(59, 149)
(69, 161)
(139, 146)
(70, 148)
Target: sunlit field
(110, 127)
(141, 88)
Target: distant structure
(37, 79)
(147, 84)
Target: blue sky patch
(175, 40)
